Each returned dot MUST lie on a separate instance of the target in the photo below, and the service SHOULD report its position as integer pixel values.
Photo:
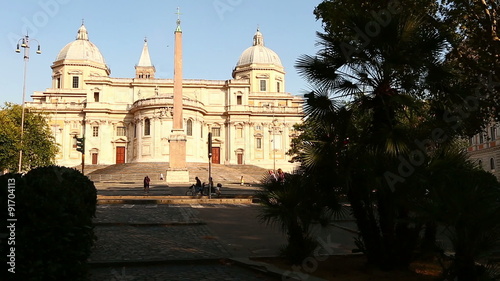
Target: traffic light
(80, 144)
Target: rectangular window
(263, 86)
(278, 87)
(258, 143)
(58, 83)
(258, 128)
(493, 133)
(76, 81)
(481, 138)
(95, 131)
(120, 131)
(239, 132)
(216, 132)
(96, 97)
(239, 100)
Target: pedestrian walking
(146, 184)
(210, 184)
(242, 181)
(161, 176)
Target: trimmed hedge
(54, 207)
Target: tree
(54, 233)
(381, 70)
(405, 99)
(294, 205)
(464, 200)
(39, 147)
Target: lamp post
(25, 43)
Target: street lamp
(25, 43)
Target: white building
(124, 120)
(484, 149)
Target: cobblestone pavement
(169, 234)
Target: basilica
(125, 120)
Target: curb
(133, 263)
(148, 224)
(101, 199)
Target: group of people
(200, 187)
(279, 176)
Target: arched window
(189, 127)
(480, 162)
(492, 164)
(147, 127)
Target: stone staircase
(135, 172)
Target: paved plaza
(162, 242)
(148, 241)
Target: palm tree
(384, 87)
(464, 201)
(294, 205)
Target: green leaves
(38, 145)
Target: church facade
(126, 120)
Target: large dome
(81, 49)
(259, 54)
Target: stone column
(177, 171)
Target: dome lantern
(259, 54)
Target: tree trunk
(366, 226)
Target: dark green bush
(54, 207)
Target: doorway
(216, 155)
(120, 154)
(94, 158)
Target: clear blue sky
(215, 33)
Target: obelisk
(177, 171)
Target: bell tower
(145, 69)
